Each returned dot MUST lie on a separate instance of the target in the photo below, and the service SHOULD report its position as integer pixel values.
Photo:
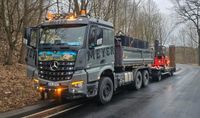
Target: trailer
(76, 57)
(163, 64)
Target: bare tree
(137, 18)
(149, 21)
(15, 16)
(183, 37)
(189, 11)
(103, 9)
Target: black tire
(42, 94)
(145, 78)
(105, 91)
(158, 76)
(171, 73)
(46, 95)
(49, 95)
(138, 80)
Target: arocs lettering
(100, 53)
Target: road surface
(174, 97)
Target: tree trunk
(199, 46)
(23, 48)
(115, 14)
(22, 54)
(76, 9)
(199, 51)
(69, 8)
(9, 60)
(58, 7)
(125, 13)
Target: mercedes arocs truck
(78, 57)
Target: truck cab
(67, 57)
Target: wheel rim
(146, 78)
(107, 90)
(171, 73)
(138, 81)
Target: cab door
(31, 38)
(94, 55)
(100, 54)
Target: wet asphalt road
(173, 97)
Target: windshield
(71, 36)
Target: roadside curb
(24, 110)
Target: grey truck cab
(68, 57)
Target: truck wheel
(171, 73)
(158, 76)
(138, 80)
(105, 92)
(145, 78)
(42, 94)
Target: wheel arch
(141, 69)
(108, 72)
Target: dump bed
(135, 52)
(136, 56)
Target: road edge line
(31, 115)
(63, 111)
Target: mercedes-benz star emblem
(54, 65)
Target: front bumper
(74, 88)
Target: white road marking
(63, 111)
(38, 113)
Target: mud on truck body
(73, 58)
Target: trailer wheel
(171, 73)
(138, 80)
(145, 78)
(158, 76)
(105, 92)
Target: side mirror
(27, 36)
(96, 42)
(99, 41)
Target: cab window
(95, 36)
(108, 36)
(33, 38)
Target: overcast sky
(164, 6)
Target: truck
(77, 57)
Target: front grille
(64, 70)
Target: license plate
(53, 84)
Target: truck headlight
(77, 84)
(41, 89)
(35, 81)
(58, 91)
